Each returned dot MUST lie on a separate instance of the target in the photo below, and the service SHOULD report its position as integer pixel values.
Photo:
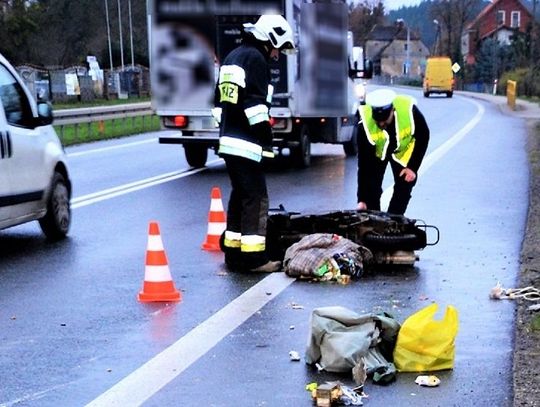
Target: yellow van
(439, 77)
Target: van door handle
(8, 137)
(2, 148)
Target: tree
(492, 60)
(363, 17)
(452, 16)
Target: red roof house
(500, 20)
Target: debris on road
(294, 356)
(529, 293)
(335, 393)
(428, 381)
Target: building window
(515, 19)
(500, 17)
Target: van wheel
(55, 224)
(301, 155)
(196, 155)
(426, 94)
(449, 94)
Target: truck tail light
(278, 124)
(180, 121)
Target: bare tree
(363, 17)
(452, 16)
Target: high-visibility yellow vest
(404, 123)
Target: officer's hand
(362, 206)
(408, 174)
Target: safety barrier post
(511, 94)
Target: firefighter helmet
(274, 29)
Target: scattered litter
(294, 356)
(529, 293)
(294, 305)
(335, 393)
(291, 327)
(535, 307)
(13, 318)
(423, 297)
(428, 381)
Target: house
(389, 47)
(499, 20)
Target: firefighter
(242, 102)
(391, 130)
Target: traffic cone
(158, 284)
(216, 221)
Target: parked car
(34, 179)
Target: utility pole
(131, 35)
(120, 30)
(401, 22)
(108, 33)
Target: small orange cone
(158, 284)
(216, 221)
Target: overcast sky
(395, 4)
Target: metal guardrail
(95, 114)
(95, 123)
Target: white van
(34, 180)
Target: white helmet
(274, 29)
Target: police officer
(391, 130)
(242, 103)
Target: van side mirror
(365, 73)
(45, 114)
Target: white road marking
(436, 155)
(147, 380)
(109, 148)
(144, 382)
(109, 193)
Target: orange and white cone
(216, 221)
(158, 284)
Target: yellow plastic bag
(425, 344)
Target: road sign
(456, 67)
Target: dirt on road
(527, 335)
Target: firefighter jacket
(404, 130)
(242, 99)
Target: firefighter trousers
(247, 214)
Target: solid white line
(144, 382)
(436, 155)
(147, 380)
(109, 193)
(116, 147)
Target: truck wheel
(449, 94)
(301, 155)
(426, 94)
(196, 155)
(351, 147)
(55, 223)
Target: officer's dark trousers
(371, 183)
(247, 212)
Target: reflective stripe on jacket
(404, 125)
(243, 93)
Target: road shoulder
(527, 340)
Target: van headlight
(360, 91)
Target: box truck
(315, 90)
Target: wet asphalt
(72, 328)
